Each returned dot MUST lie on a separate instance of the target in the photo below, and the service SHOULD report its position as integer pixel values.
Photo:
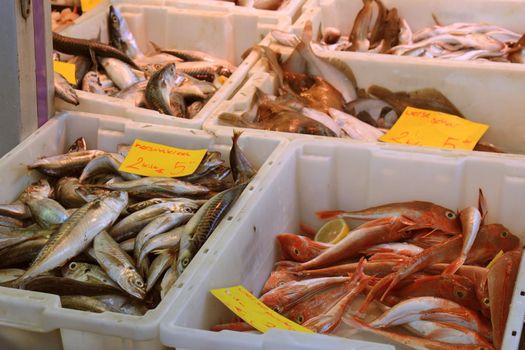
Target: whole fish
(501, 280)
(68, 164)
(397, 248)
(77, 233)
(159, 88)
(203, 223)
(85, 272)
(136, 221)
(151, 187)
(300, 248)
(447, 333)
(83, 303)
(242, 169)
(22, 253)
(432, 309)
(83, 47)
(380, 268)
(67, 286)
(120, 72)
(11, 237)
(64, 90)
(282, 298)
(119, 34)
(161, 224)
(109, 162)
(379, 231)
(186, 205)
(423, 214)
(159, 265)
(118, 265)
(166, 240)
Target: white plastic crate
(328, 175)
(203, 26)
(483, 94)
(29, 316)
(341, 14)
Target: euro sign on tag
(422, 127)
(153, 159)
(245, 305)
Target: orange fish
(490, 240)
(381, 268)
(424, 215)
(501, 280)
(300, 248)
(232, 326)
(279, 278)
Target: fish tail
(454, 266)
(328, 214)
(236, 135)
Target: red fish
(233, 326)
(501, 279)
(279, 278)
(423, 214)
(370, 268)
(382, 231)
(300, 248)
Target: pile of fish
(171, 81)
(273, 5)
(413, 272)
(107, 240)
(378, 29)
(327, 101)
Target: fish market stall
(320, 179)
(103, 297)
(204, 45)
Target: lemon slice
(332, 232)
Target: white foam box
(31, 320)
(484, 94)
(330, 175)
(190, 25)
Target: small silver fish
(64, 90)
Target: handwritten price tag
(435, 129)
(253, 311)
(67, 70)
(153, 159)
(87, 5)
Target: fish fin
(482, 205)
(288, 265)
(328, 214)
(436, 20)
(375, 291)
(307, 230)
(454, 266)
(156, 47)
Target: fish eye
(73, 266)
(280, 283)
(139, 283)
(486, 301)
(277, 309)
(300, 319)
(451, 215)
(459, 293)
(185, 262)
(296, 251)
(114, 19)
(504, 234)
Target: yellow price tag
(253, 311)
(153, 159)
(67, 70)
(496, 257)
(435, 129)
(87, 5)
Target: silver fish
(10, 237)
(204, 70)
(66, 192)
(118, 265)
(22, 253)
(242, 169)
(16, 210)
(128, 245)
(158, 187)
(91, 83)
(7, 221)
(65, 164)
(202, 224)
(158, 266)
(186, 204)
(134, 94)
(7, 275)
(47, 212)
(167, 240)
(109, 162)
(159, 88)
(64, 91)
(120, 36)
(120, 72)
(83, 303)
(77, 233)
(85, 272)
(123, 304)
(157, 226)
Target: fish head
(74, 269)
(133, 283)
(184, 260)
(39, 189)
(459, 289)
(116, 26)
(169, 74)
(482, 294)
(277, 279)
(497, 237)
(299, 248)
(440, 218)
